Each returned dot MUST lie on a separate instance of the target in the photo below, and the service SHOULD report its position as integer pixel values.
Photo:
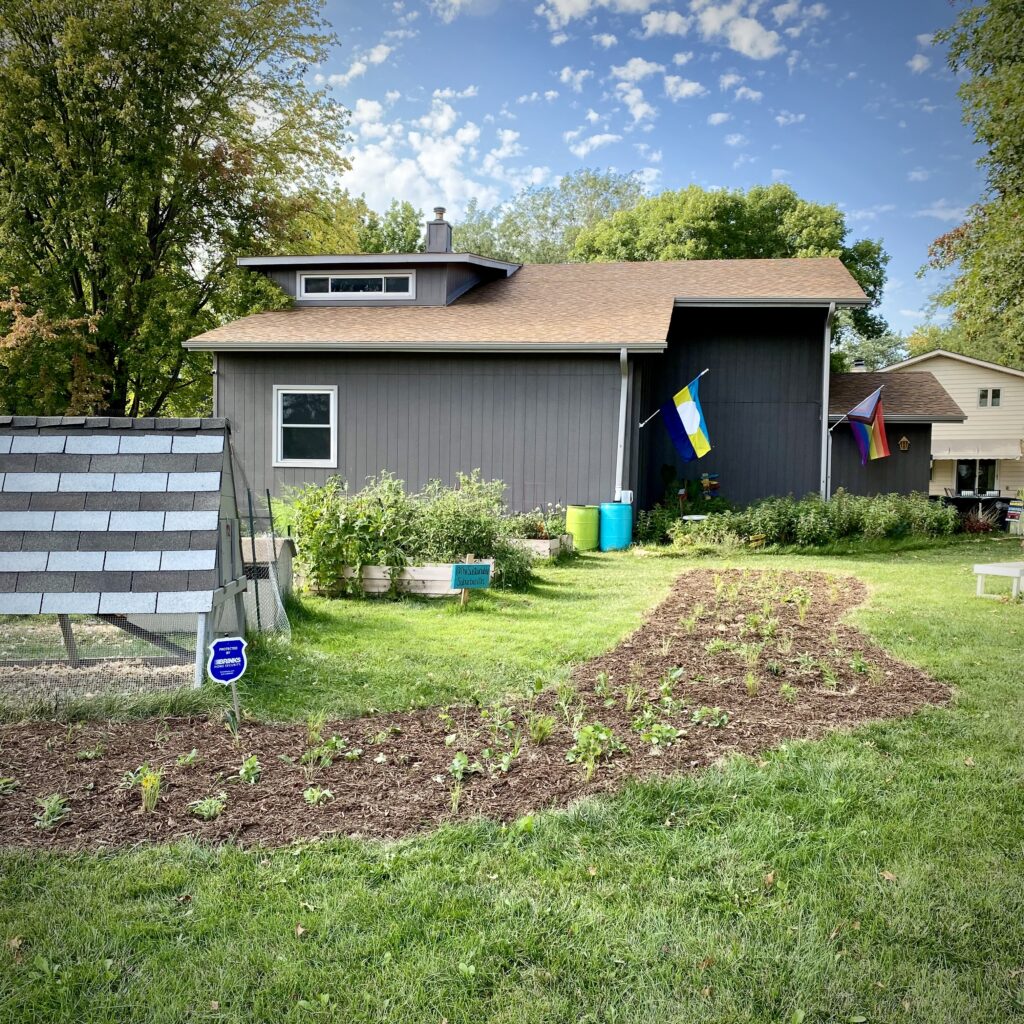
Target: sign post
(467, 576)
(226, 665)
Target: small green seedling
(456, 796)
(750, 681)
(53, 809)
(251, 770)
(315, 723)
(859, 664)
(150, 787)
(714, 717)
(594, 742)
(315, 796)
(92, 753)
(189, 759)
(539, 727)
(788, 693)
(660, 735)
(461, 767)
(209, 807)
(7, 786)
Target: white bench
(1014, 570)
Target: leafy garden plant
(594, 742)
(53, 809)
(251, 770)
(209, 807)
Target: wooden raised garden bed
(425, 580)
(548, 547)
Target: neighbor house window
(358, 286)
(975, 476)
(995, 396)
(305, 426)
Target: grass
(874, 876)
(353, 656)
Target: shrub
(813, 522)
(540, 524)
(384, 525)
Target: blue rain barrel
(616, 525)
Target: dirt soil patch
(731, 662)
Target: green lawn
(650, 906)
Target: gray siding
(902, 472)
(761, 401)
(547, 425)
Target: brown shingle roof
(557, 304)
(908, 397)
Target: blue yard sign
(471, 576)
(227, 659)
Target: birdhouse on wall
(904, 443)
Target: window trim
(982, 398)
(995, 398)
(279, 462)
(381, 296)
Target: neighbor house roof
(917, 360)
(913, 397)
(572, 306)
(110, 516)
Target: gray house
(429, 363)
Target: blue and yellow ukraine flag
(684, 420)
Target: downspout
(215, 383)
(826, 437)
(620, 456)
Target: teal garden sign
(471, 576)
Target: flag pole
(644, 423)
(828, 457)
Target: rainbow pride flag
(684, 420)
(868, 425)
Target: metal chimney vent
(439, 232)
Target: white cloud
(367, 110)
(786, 117)
(605, 40)
(452, 94)
(679, 59)
(743, 34)
(736, 139)
(633, 97)
(574, 79)
(726, 82)
(559, 39)
(677, 88)
(941, 209)
(801, 17)
(744, 92)
(665, 23)
(779, 173)
(925, 39)
(449, 10)
(559, 13)
(919, 63)
(592, 115)
(592, 142)
(635, 69)
(870, 213)
(719, 118)
(441, 118)
(743, 158)
(551, 94)
(375, 55)
(392, 95)
(649, 177)
(918, 174)
(653, 155)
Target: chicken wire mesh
(50, 661)
(267, 558)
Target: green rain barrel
(616, 525)
(583, 522)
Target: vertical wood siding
(901, 472)
(546, 425)
(761, 400)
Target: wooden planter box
(549, 547)
(425, 580)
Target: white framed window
(995, 397)
(306, 425)
(983, 398)
(358, 287)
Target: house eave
(769, 301)
(504, 347)
(890, 418)
(382, 258)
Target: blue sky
(848, 102)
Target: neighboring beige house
(982, 455)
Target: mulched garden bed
(731, 662)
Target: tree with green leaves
(986, 252)
(399, 229)
(541, 225)
(765, 222)
(143, 145)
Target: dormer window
(358, 287)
